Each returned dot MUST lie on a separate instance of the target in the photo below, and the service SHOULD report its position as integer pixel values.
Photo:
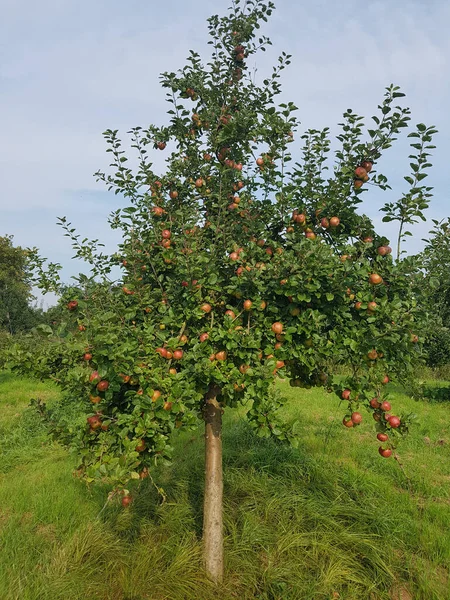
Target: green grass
(329, 520)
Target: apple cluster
(361, 175)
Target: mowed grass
(329, 520)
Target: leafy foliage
(436, 258)
(16, 314)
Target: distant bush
(31, 354)
(5, 343)
(437, 348)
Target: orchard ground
(329, 520)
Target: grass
(329, 520)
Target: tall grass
(329, 520)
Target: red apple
(222, 355)
(334, 221)
(375, 279)
(87, 356)
(384, 250)
(357, 418)
(367, 165)
(374, 403)
(103, 385)
(394, 421)
(382, 437)
(178, 354)
(345, 394)
(277, 327)
(94, 422)
(347, 422)
(385, 452)
(248, 304)
(126, 501)
(140, 446)
(72, 305)
(358, 184)
(206, 308)
(203, 337)
(360, 172)
(386, 406)
(94, 376)
(158, 211)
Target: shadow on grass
(247, 459)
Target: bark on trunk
(212, 510)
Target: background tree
(16, 313)
(436, 285)
(238, 265)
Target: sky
(69, 70)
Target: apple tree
(436, 285)
(242, 262)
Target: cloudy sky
(69, 70)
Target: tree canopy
(16, 314)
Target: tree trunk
(212, 510)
